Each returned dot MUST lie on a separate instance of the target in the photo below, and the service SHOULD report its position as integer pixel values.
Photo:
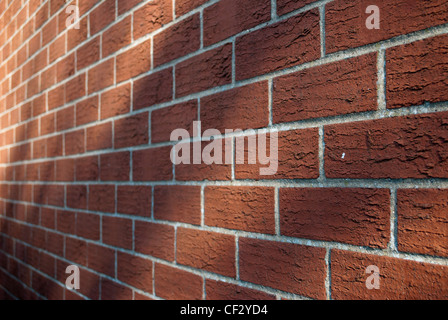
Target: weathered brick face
(86, 176)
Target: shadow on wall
(37, 230)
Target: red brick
(131, 131)
(77, 36)
(101, 259)
(141, 297)
(185, 6)
(87, 111)
(66, 222)
(111, 290)
(133, 62)
(47, 218)
(241, 108)
(152, 164)
(55, 243)
(47, 264)
(49, 31)
(297, 156)
(422, 221)
(399, 279)
(178, 203)
(75, 142)
(346, 20)
(241, 208)
(47, 78)
(218, 290)
(25, 111)
(55, 5)
(117, 232)
(65, 68)
(88, 54)
(54, 146)
(77, 196)
(99, 136)
(343, 87)
(205, 250)
(116, 37)
(87, 168)
(152, 16)
(47, 172)
(124, 6)
(135, 271)
(102, 16)
(65, 118)
(166, 120)
(279, 46)
(134, 200)
(32, 129)
(354, 216)
(56, 97)
(32, 88)
(229, 17)
(156, 240)
(284, 266)
(153, 89)
(204, 71)
(175, 284)
(91, 290)
(76, 251)
(86, 5)
(88, 226)
(46, 287)
(49, 194)
(416, 73)
(394, 148)
(57, 48)
(102, 198)
(65, 170)
(115, 166)
(286, 6)
(116, 101)
(101, 76)
(177, 41)
(72, 296)
(75, 88)
(39, 105)
(203, 171)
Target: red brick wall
(85, 170)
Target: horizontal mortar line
(5, 27)
(118, 19)
(270, 76)
(53, 279)
(321, 61)
(6, 290)
(49, 18)
(341, 55)
(281, 127)
(35, 270)
(23, 5)
(175, 20)
(207, 274)
(386, 252)
(272, 183)
(19, 280)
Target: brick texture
(89, 165)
